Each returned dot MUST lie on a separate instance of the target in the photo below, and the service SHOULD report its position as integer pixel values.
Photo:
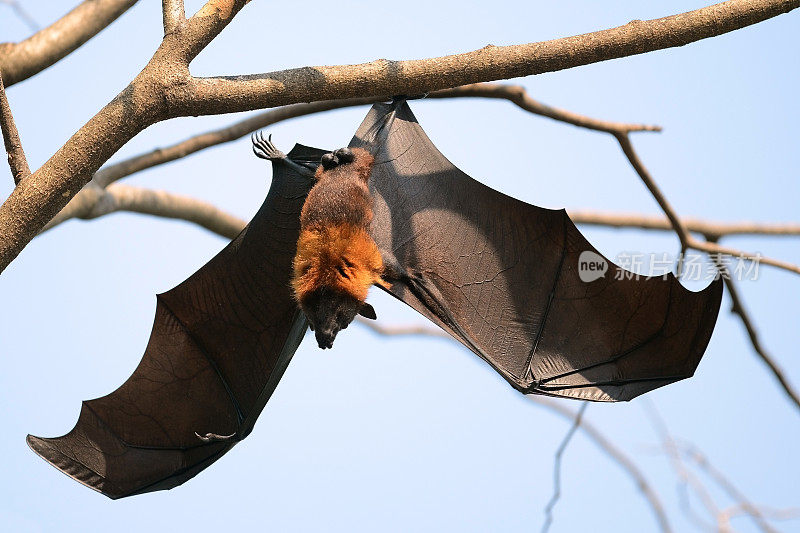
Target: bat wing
(220, 343)
(502, 277)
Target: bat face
(329, 311)
(333, 270)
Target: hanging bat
(499, 275)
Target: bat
(500, 275)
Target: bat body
(499, 275)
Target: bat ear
(367, 311)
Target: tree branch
(519, 96)
(385, 78)
(94, 202)
(548, 510)
(20, 61)
(738, 308)
(237, 130)
(710, 229)
(16, 155)
(165, 89)
(174, 14)
(686, 239)
(22, 14)
(401, 331)
(614, 453)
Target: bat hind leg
(264, 149)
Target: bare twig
(686, 477)
(95, 202)
(19, 61)
(710, 229)
(686, 239)
(742, 502)
(22, 14)
(174, 14)
(738, 308)
(380, 329)
(614, 453)
(548, 510)
(165, 89)
(16, 155)
(518, 96)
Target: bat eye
(342, 272)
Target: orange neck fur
(342, 257)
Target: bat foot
(341, 156)
(264, 148)
(213, 437)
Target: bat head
(333, 270)
(329, 311)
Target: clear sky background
(404, 434)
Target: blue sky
(413, 433)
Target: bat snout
(325, 337)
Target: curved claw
(264, 148)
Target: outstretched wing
(220, 343)
(502, 277)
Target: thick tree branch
(164, 89)
(513, 93)
(385, 78)
(16, 155)
(19, 61)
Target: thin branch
(738, 308)
(237, 130)
(746, 506)
(615, 454)
(686, 239)
(710, 229)
(686, 478)
(19, 61)
(22, 14)
(548, 510)
(16, 155)
(392, 331)
(174, 14)
(95, 202)
(519, 96)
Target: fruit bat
(498, 274)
